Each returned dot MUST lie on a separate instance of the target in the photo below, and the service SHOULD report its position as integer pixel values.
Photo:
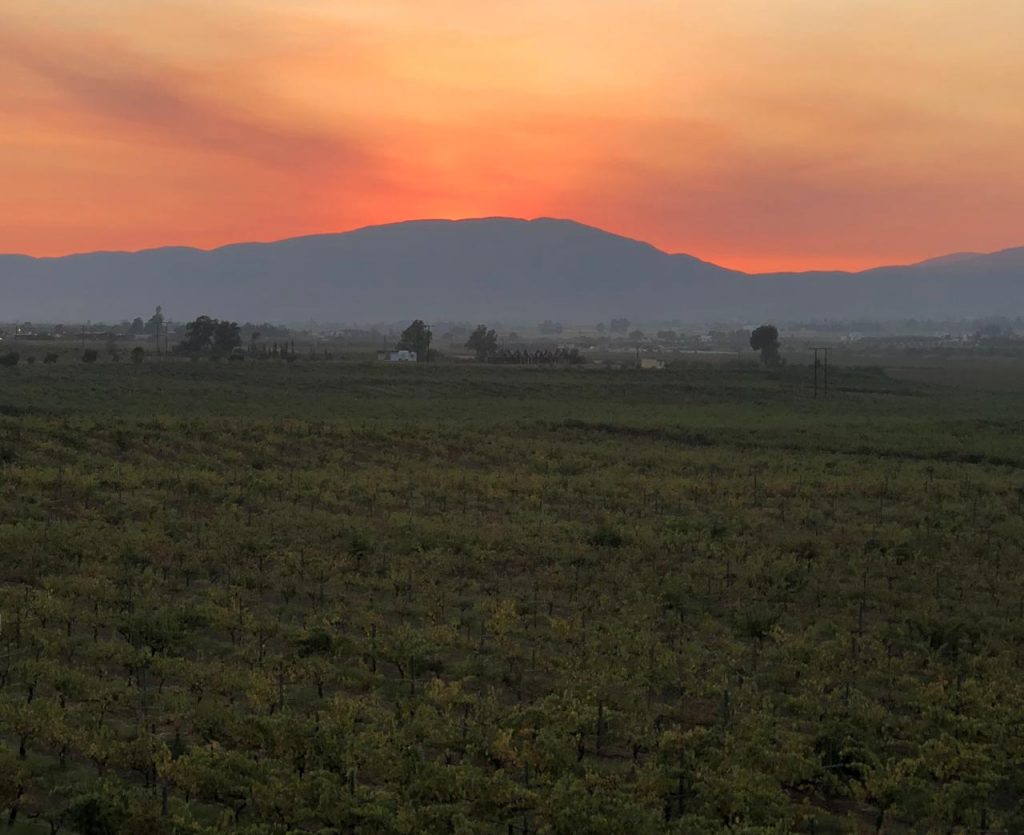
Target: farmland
(269, 597)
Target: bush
(138, 355)
(606, 537)
(90, 355)
(10, 358)
(50, 359)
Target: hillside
(488, 269)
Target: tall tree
(198, 335)
(416, 338)
(156, 322)
(483, 342)
(226, 337)
(766, 340)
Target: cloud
(138, 98)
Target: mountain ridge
(935, 260)
(496, 268)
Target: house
(651, 363)
(396, 356)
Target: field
(328, 597)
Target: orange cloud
(758, 133)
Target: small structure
(396, 356)
(651, 363)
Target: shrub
(607, 537)
(90, 355)
(50, 359)
(10, 358)
(138, 355)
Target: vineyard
(328, 597)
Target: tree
(549, 328)
(10, 358)
(137, 326)
(226, 337)
(138, 355)
(766, 340)
(204, 334)
(416, 338)
(14, 778)
(90, 355)
(156, 322)
(198, 335)
(483, 341)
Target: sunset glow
(759, 134)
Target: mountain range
(491, 269)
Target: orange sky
(759, 134)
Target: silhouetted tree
(227, 337)
(198, 335)
(416, 338)
(137, 326)
(549, 328)
(619, 325)
(483, 342)
(766, 340)
(156, 322)
(204, 334)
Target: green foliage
(416, 337)
(259, 598)
(214, 336)
(483, 342)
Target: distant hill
(515, 271)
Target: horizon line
(483, 218)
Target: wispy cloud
(130, 95)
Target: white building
(396, 356)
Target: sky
(758, 134)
